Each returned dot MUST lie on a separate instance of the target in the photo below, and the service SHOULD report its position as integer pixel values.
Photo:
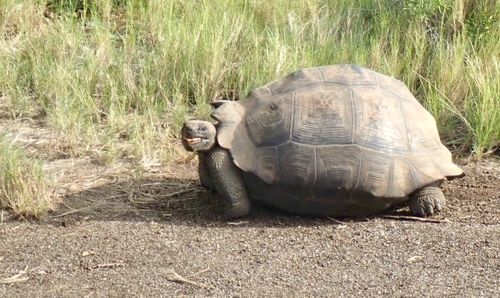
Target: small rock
(88, 253)
(415, 259)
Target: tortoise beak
(192, 141)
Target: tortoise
(338, 140)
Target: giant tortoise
(337, 140)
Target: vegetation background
(117, 78)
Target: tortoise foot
(427, 201)
(238, 209)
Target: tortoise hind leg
(427, 201)
(228, 182)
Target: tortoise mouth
(193, 141)
(197, 143)
(198, 135)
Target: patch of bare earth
(121, 234)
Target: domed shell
(342, 127)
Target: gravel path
(170, 251)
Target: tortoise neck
(204, 153)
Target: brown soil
(161, 235)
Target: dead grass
(127, 198)
(123, 190)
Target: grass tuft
(23, 187)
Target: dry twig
(199, 272)
(414, 218)
(107, 265)
(15, 278)
(77, 210)
(337, 221)
(237, 223)
(175, 277)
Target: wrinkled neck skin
(203, 169)
(204, 153)
(202, 156)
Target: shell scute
(268, 122)
(296, 80)
(296, 164)
(350, 75)
(379, 123)
(322, 115)
(337, 166)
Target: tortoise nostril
(189, 132)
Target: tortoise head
(198, 135)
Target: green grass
(23, 187)
(118, 78)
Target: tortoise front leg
(204, 173)
(427, 201)
(228, 182)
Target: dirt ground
(162, 235)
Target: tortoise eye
(273, 107)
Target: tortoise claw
(427, 201)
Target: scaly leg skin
(228, 182)
(204, 173)
(427, 201)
